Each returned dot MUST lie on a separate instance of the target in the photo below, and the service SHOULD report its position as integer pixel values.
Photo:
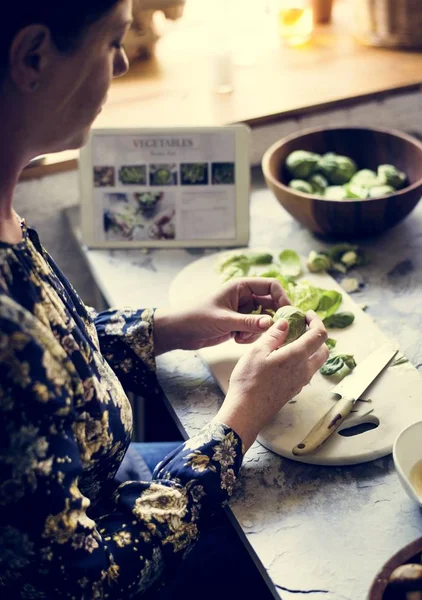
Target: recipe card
(174, 187)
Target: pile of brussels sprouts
(337, 177)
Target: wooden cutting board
(396, 396)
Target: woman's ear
(29, 56)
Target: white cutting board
(396, 395)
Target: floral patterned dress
(65, 425)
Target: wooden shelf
(176, 87)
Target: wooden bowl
(381, 588)
(369, 148)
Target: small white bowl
(407, 451)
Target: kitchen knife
(350, 390)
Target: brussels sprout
(301, 186)
(295, 318)
(365, 178)
(337, 169)
(318, 262)
(356, 191)
(318, 183)
(380, 190)
(301, 163)
(335, 192)
(389, 175)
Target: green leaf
(234, 259)
(290, 265)
(285, 282)
(270, 273)
(260, 258)
(331, 366)
(399, 361)
(329, 302)
(331, 343)
(304, 295)
(339, 320)
(339, 365)
(239, 269)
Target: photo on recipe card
(178, 187)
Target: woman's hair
(67, 21)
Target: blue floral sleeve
(126, 342)
(50, 543)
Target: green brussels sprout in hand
(335, 192)
(389, 175)
(319, 183)
(301, 163)
(365, 178)
(380, 190)
(296, 319)
(301, 186)
(337, 169)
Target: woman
(65, 421)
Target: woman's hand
(224, 315)
(268, 376)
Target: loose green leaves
(339, 320)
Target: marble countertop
(319, 532)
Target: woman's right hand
(269, 375)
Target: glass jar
(295, 21)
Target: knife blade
(349, 390)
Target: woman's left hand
(224, 315)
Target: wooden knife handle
(326, 426)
